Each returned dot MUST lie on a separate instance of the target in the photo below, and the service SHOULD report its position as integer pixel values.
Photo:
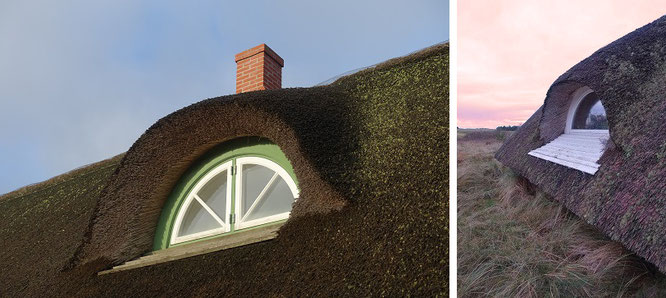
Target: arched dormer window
(586, 113)
(240, 185)
(585, 134)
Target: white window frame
(279, 171)
(225, 225)
(577, 98)
(224, 220)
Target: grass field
(514, 241)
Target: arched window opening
(204, 212)
(243, 184)
(590, 114)
(586, 112)
(261, 192)
(585, 135)
(266, 192)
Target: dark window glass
(590, 114)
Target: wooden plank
(600, 140)
(578, 150)
(594, 141)
(599, 132)
(583, 147)
(250, 236)
(575, 166)
(588, 159)
(583, 168)
(582, 151)
(580, 144)
(566, 156)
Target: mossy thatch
(41, 227)
(626, 198)
(371, 156)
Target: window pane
(197, 219)
(278, 199)
(214, 194)
(590, 114)
(255, 178)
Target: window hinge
(231, 218)
(233, 170)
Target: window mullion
(217, 218)
(231, 213)
(261, 196)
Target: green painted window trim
(231, 150)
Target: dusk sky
(80, 81)
(510, 51)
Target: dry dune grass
(513, 241)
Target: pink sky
(510, 51)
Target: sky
(511, 51)
(80, 81)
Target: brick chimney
(258, 68)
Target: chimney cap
(258, 49)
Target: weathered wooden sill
(256, 235)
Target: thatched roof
(626, 198)
(370, 153)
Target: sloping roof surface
(626, 198)
(371, 155)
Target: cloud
(80, 81)
(510, 51)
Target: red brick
(258, 68)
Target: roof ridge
(427, 49)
